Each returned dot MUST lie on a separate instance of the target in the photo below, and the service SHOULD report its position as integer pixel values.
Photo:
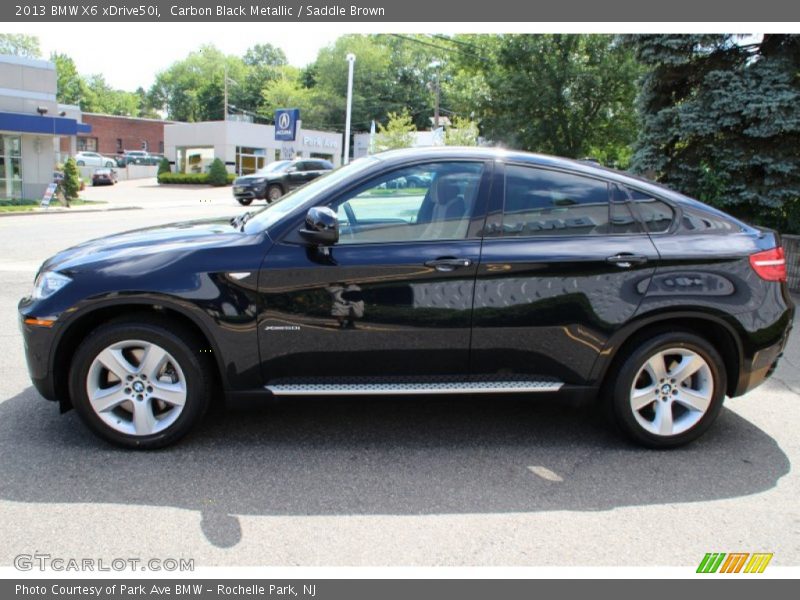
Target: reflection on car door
(560, 271)
(393, 299)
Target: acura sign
(286, 124)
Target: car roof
(392, 158)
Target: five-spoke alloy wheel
(139, 385)
(668, 390)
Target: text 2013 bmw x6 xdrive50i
(419, 272)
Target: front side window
(424, 202)
(541, 202)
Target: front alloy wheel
(136, 387)
(668, 390)
(140, 383)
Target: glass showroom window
(10, 167)
(250, 160)
(194, 160)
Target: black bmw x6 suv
(419, 272)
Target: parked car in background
(93, 159)
(104, 177)
(502, 273)
(138, 157)
(278, 178)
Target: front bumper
(38, 342)
(249, 191)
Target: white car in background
(93, 159)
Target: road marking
(545, 473)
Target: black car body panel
(272, 308)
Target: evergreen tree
(720, 120)
(217, 174)
(72, 180)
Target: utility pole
(351, 58)
(436, 105)
(225, 115)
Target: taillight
(769, 264)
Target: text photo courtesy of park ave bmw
(299, 299)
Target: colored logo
(734, 562)
(286, 124)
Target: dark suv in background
(437, 271)
(278, 178)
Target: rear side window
(695, 220)
(542, 202)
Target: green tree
(18, 44)
(217, 174)
(398, 132)
(463, 132)
(70, 85)
(720, 120)
(193, 89)
(99, 97)
(72, 180)
(163, 167)
(570, 95)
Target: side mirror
(322, 226)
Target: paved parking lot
(489, 481)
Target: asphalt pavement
(434, 481)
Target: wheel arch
(714, 329)
(79, 327)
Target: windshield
(274, 166)
(272, 213)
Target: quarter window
(423, 202)
(656, 214)
(542, 202)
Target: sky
(129, 55)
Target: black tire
(180, 344)
(245, 201)
(620, 383)
(109, 164)
(274, 192)
(80, 163)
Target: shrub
(217, 174)
(163, 166)
(191, 178)
(72, 179)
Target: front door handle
(448, 264)
(625, 260)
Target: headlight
(258, 181)
(48, 283)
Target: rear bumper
(766, 348)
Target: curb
(65, 211)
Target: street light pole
(351, 59)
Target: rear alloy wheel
(274, 192)
(138, 385)
(669, 390)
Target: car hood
(149, 247)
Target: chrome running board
(408, 389)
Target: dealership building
(243, 146)
(32, 127)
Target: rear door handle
(448, 264)
(626, 261)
